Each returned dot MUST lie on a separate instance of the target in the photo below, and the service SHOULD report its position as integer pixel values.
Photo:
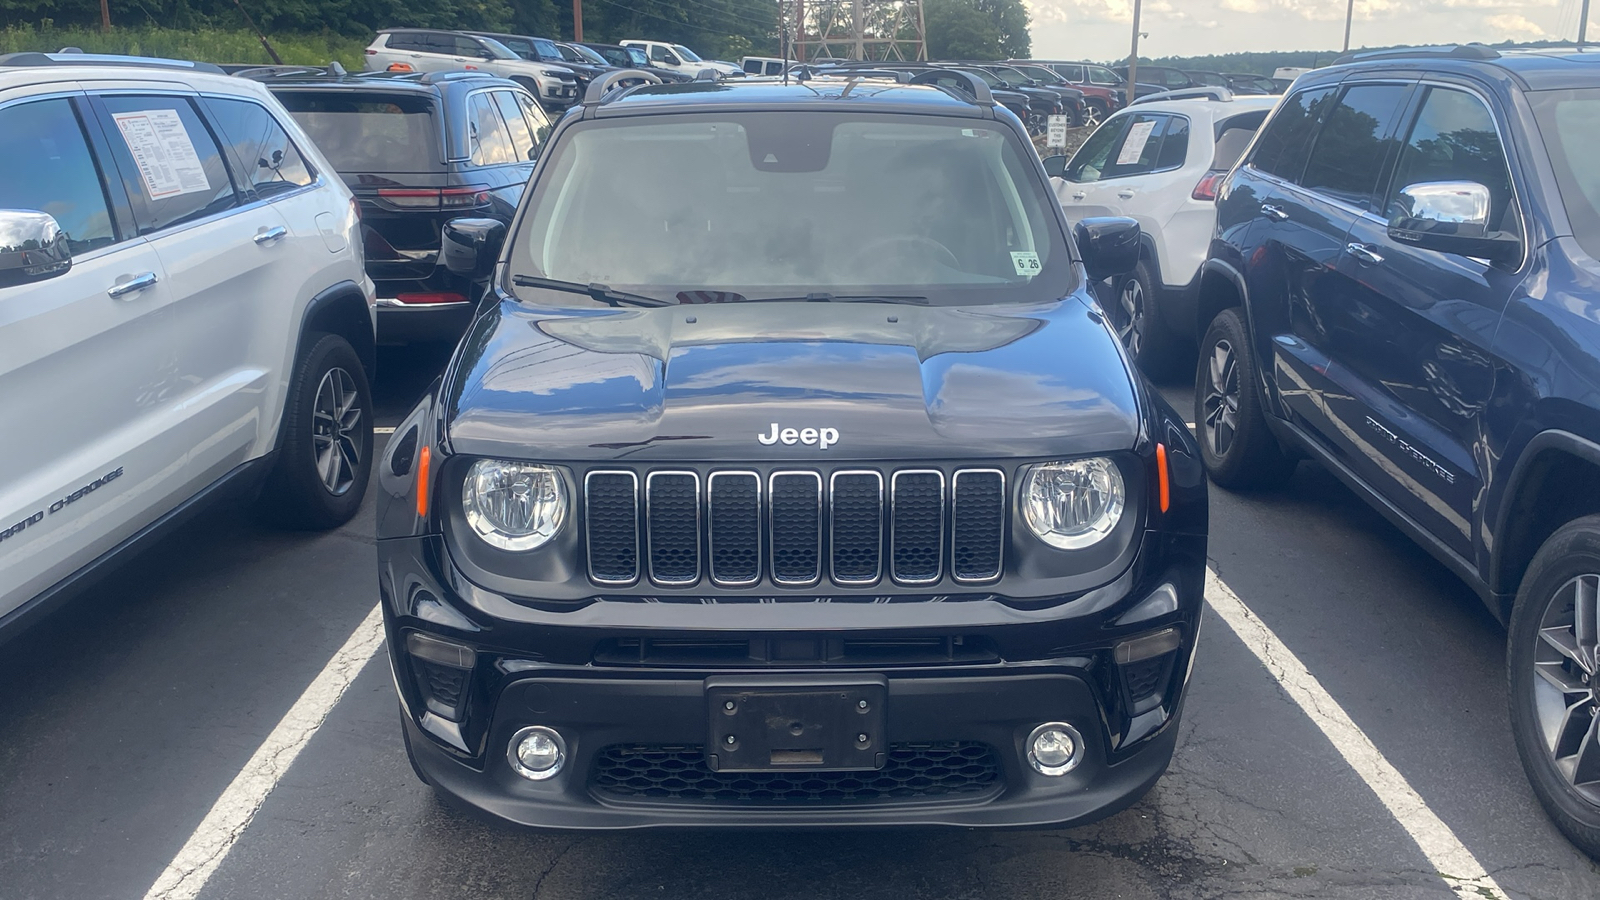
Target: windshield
(1041, 73)
(1102, 75)
(368, 132)
(776, 205)
(687, 54)
(497, 49)
(1570, 124)
(547, 49)
(583, 54)
(987, 77)
(1011, 75)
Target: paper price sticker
(1055, 131)
(1133, 147)
(1026, 262)
(163, 152)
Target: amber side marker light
(1161, 474)
(426, 456)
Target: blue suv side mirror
(1451, 217)
(471, 247)
(1109, 245)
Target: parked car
(1242, 83)
(1208, 79)
(859, 587)
(1033, 110)
(764, 65)
(1011, 78)
(1041, 103)
(1165, 78)
(681, 59)
(635, 58)
(424, 50)
(418, 150)
(1404, 287)
(185, 316)
(544, 50)
(1159, 161)
(1099, 100)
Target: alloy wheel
(1222, 399)
(1130, 316)
(1566, 695)
(1092, 116)
(336, 431)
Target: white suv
(1159, 161)
(424, 50)
(184, 315)
(679, 58)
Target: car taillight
(1207, 188)
(470, 197)
(429, 299)
(371, 52)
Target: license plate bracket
(785, 724)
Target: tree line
(986, 29)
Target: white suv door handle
(125, 289)
(1364, 253)
(268, 235)
(1126, 194)
(1274, 213)
(1078, 195)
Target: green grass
(204, 45)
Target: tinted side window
(468, 47)
(537, 120)
(269, 163)
(439, 43)
(1353, 145)
(546, 50)
(490, 142)
(1101, 75)
(658, 53)
(49, 169)
(1454, 139)
(403, 42)
(1281, 151)
(1176, 79)
(1072, 73)
(170, 165)
(521, 131)
(1175, 144)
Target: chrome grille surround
(899, 543)
(957, 521)
(655, 536)
(773, 526)
(713, 521)
(589, 520)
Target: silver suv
(423, 50)
(184, 315)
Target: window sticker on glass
(1026, 262)
(161, 148)
(1133, 147)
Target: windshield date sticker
(1027, 262)
(1133, 147)
(163, 152)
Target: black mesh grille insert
(857, 527)
(611, 512)
(1145, 677)
(796, 527)
(673, 510)
(442, 686)
(735, 523)
(977, 525)
(679, 773)
(917, 525)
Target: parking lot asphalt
(129, 711)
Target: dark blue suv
(1404, 286)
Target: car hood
(709, 381)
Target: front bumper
(625, 685)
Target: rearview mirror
(32, 247)
(1055, 166)
(1109, 245)
(471, 247)
(1450, 217)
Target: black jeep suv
(418, 150)
(859, 517)
(1404, 285)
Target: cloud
(1515, 26)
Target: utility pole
(1133, 60)
(855, 29)
(105, 16)
(1349, 14)
(800, 29)
(922, 33)
(1583, 24)
(577, 20)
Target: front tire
(325, 455)
(1136, 316)
(1229, 416)
(1553, 665)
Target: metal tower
(855, 29)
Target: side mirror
(1450, 217)
(1055, 166)
(32, 247)
(1109, 245)
(471, 247)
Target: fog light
(537, 752)
(1055, 748)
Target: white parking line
(231, 815)
(1450, 858)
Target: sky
(1102, 29)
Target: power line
(707, 6)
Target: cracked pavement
(130, 710)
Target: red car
(1102, 88)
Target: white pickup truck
(679, 58)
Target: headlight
(553, 73)
(512, 505)
(1074, 504)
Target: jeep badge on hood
(822, 437)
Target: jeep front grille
(853, 527)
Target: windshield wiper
(598, 291)
(825, 297)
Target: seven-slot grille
(855, 527)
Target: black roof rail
(36, 59)
(1448, 51)
(981, 94)
(1203, 92)
(598, 88)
